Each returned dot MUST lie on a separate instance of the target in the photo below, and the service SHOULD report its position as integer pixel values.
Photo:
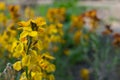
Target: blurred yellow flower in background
(77, 36)
(2, 6)
(84, 73)
(29, 13)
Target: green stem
(27, 51)
(29, 43)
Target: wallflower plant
(33, 58)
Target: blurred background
(90, 43)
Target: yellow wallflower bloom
(51, 77)
(3, 19)
(23, 76)
(37, 76)
(14, 44)
(23, 23)
(77, 36)
(55, 38)
(28, 33)
(17, 66)
(40, 21)
(48, 56)
(29, 13)
(39, 45)
(27, 48)
(84, 73)
(18, 50)
(43, 63)
(52, 29)
(50, 68)
(2, 6)
(77, 22)
(56, 14)
(26, 60)
(14, 12)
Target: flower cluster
(29, 42)
(30, 50)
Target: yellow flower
(3, 18)
(84, 73)
(18, 50)
(2, 6)
(40, 21)
(77, 36)
(78, 21)
(14, 44)
(17, 66)
(51, 77)
(14, 8)
(38, 64)
(23, 76)
(23, 23)
(48, 56)
(19, 47)
(37, 76)
(55, 38)
(28, 33)
(14, 12)
(50, 68)
(56, 14)
(59, 25)
(52, 29)
(26, 60)
(39, 45)
(29, 13)
(33, 53)
(33, 57)
(43, 63)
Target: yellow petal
(48, 56)
(59, 25)
(23, 76)
(2, 6)
(23, 24)
(23, 34)
(14, 44)
(50, 68)
(51, 77)
(16, 55)
(27, 28)
(39, 45)
(17, 66)
(33, 53)
(26, 60)
(38, 76)
(84, 73)
(32, 74)
(40, 21)
(33, 33)
(19, 48)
